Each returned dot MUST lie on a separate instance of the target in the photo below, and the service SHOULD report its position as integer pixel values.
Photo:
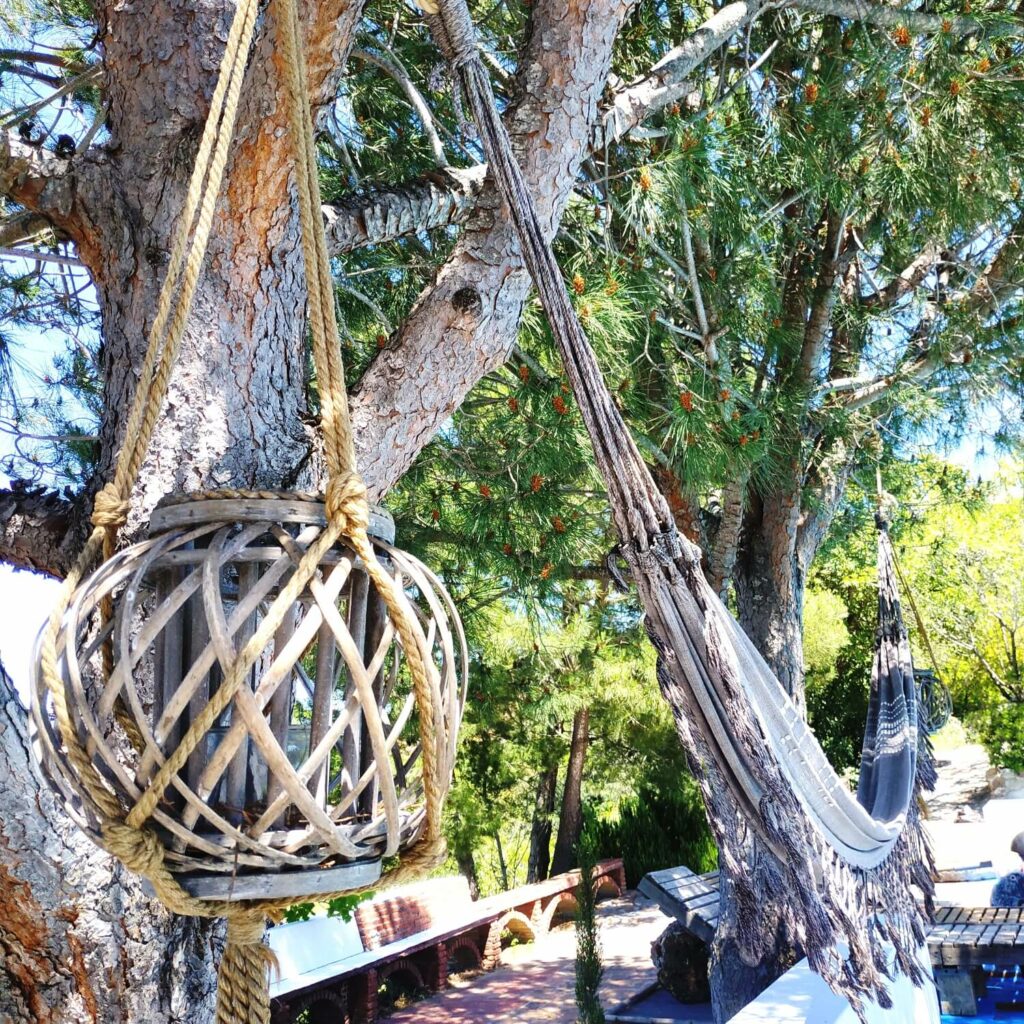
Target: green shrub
(657, 829)
(1001, 731)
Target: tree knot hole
(467, 302)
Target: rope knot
(109, 508)
(346, 503)
(246, 928)
(139, 849)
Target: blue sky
(25, 601)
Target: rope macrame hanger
(242, 987)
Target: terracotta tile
(535, 983)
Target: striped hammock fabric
(845, 867)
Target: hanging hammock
(848, 864)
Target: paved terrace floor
(535, 982)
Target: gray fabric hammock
(847, 867)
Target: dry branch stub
(311, 773)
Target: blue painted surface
(1004, 990)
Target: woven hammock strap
(836, 862)
(640, 509)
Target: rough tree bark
(570, 817)
(539, 863)
(465, 324)
(768, 577)
(80, 943)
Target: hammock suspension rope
(840, 864)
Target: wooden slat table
(970, 937)
(960, 936)
(691, 899)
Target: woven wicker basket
(312, 768)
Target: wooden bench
(333, 969)
(691, 899)
(960, 941)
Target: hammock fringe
(846, 876)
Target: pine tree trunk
(78, 940)
(570, 819)
(79, 943)
(769, 585)
(540, 828)
(467, 868)
(502, 865)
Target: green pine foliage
(662, 825)
(48, 410)
(589, 969)
(1001, 729)
(529, 677)
(846, 138)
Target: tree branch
(916, 21)
(22, 227)
(87, 77)
(834, 260)
(832, 477)
(395, 70)
(39, 529)
(710, 352)
(721, 557)
(666, 82)
(54, 60)
(35, 178)
(465, 324)
(382, 215)
(1002, 277)
(906, 281)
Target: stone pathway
(536, 981)
(971, 817)
(966, 781)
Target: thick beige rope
(346, 492)
(242, 983)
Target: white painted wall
(801, 997)
(309, 950)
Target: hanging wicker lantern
(311, 774)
